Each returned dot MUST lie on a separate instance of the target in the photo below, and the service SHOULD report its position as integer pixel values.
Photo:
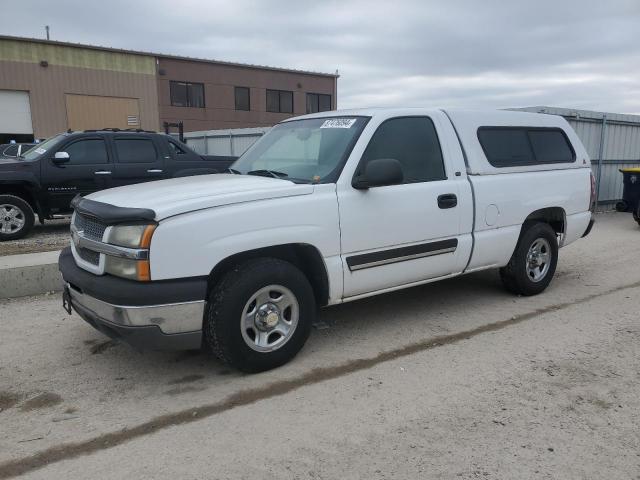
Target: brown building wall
(219, 81)
(48, 86)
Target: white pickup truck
(324, 209)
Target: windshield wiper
(268, 173)
(233, 170)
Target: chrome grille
(92, 229)
(89, 255)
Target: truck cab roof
(468, 123)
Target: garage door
(90, 112)
(15, 113)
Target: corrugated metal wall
(232, 142)
(621, 147)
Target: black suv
(45, 179)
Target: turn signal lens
(145, 241)
(144, 271)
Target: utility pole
(46, 27)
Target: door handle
(155, 170)
(103, 172)
(448, 200)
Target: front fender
(27, 180)
(192, 244)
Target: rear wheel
(259, 315)
(533, 262)
(16, 217)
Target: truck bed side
(504, 198)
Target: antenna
(46, 27)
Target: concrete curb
(29, 274)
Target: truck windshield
(310, 151)
(41, 148)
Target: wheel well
(23, 193)
(306, 257)
(554, 216)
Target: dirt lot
(53, 235)
(457, 379)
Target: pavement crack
(250, 396)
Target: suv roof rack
(138, 130)
(111, 129)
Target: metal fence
(612, 141)
(224, 142)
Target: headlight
(136, 237)
(127, 268)
(131, 236)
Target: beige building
(47, 87)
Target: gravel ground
(456, 379)
(53, 235)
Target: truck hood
(9, 161)
(180, 195)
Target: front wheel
(259, 315)
(533, 262)
(16, 217)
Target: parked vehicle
(324, 209)
(630, 193)
(44, 180)
(14, 150)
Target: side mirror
(378, 173)
(61, 157)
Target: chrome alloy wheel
(538, 259)
(12, 219)
(269, 318)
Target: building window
(243, 100)
(318, 102)
(187, 94)
(279, 101)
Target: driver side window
(412, 141)
(87, 152)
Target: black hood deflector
(110, 214)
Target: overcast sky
(577, 54)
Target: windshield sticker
(40, 150)
(338, 123)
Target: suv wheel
(533, 262)
(16, 217)
(259, 315)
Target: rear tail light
(592, 201)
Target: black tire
(515, 276)
(225, 309)
(636, 214)
(622, 206)
(9, 204)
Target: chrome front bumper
(176, 326)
